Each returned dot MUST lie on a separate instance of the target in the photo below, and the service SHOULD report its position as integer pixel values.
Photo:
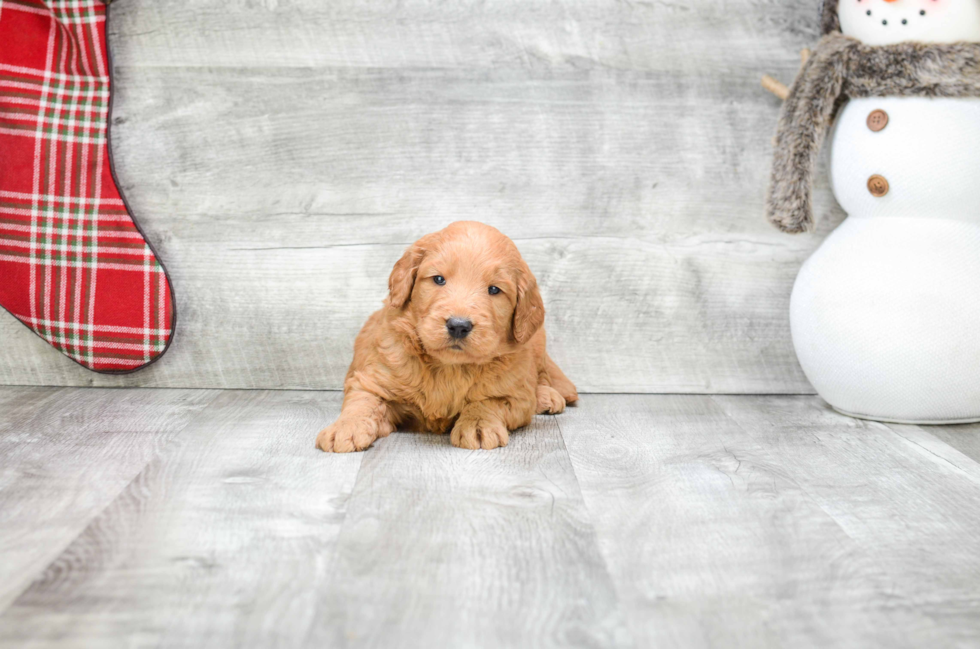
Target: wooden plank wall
(282, 153)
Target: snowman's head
(883, 22)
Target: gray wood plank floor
(183, 518)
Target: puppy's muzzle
(459, 328)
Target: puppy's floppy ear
(402, 278)
(529, 312)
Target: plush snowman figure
(885, 316)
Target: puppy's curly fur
(841, 68)
(409, 372)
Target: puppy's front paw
(479, 433)
(347, 435)
(550, 401)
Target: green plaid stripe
(91, 85)
(48, 255)
(86, 119)
(76, 115)
(67, 236)
(68, 117)
(135, 344)
(54, 205)
(110, 232)
(61, 132)
(68, 12)
(56, 83)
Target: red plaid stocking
(74, 267)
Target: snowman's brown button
(877, 120)
(877, 185)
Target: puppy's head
(467, 292)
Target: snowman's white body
(885, 315)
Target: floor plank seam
(97, 515)
(889, 584)
(617, 591)
(973, 473)
(806, 492)
(333, 564)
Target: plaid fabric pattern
(73, 265)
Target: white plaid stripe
(94, 241)
(79, 32)
(52, 157)
(73, 111)
(103, 71)
(78, 341)
(92, 265)
(78, 139)
(48, 121)
(51, 198)
(33, 102)
(162, 306)
(67, 248)
(63, 231)
(58, 324)
(59, 76)
(92, 93)
(77, 121)
(64, 19)
(53, 212)
(146, 302)
(49, 56)
(87, 358)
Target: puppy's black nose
(459, 328)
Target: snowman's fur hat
(841, 68)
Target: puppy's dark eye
(493, 290)
(439, 279)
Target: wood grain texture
(711, 540)
(65, 455)
(964, 438)
(281, 155)
(223, 541)
(908, 506)
(946, 445)
(444, 547)
(187, 519)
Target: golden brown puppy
(458, 346)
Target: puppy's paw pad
(347, 436)
(550, 401)
(479, 434)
